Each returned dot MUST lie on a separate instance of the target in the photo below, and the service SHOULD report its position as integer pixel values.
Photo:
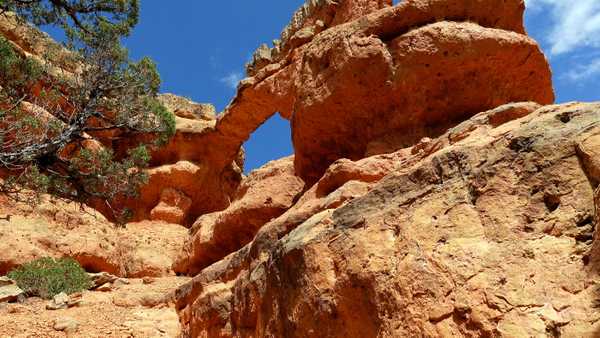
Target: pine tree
(48, 119)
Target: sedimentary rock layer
(487, 230)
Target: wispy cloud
(575, 23)
(584, 72)
(232, 79)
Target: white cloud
(231, 80)
(584, 72)
(575, 23)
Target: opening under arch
(271, 141)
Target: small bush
(47, 277)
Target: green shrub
(47, 277)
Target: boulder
(9, 291)
(59, 302)
(66, 324)
(416, 85)
(101, 278)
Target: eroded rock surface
(414, 69)
(202, 182)
(433, 193)
(57, 229)
(488, 234)
(415, 85)
(310, 19)
(265, 194)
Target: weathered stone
(310, 19)
(101, 278)
(173, 207)
(407, 90)
(58, 302)
(265, 194)
(461, 235)
(9, 291)
(66, 324)
(105, 287)
(129, 300)
(187, 109)
(121, 281)
(57, 229)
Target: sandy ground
(134, 310)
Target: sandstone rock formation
(57, 229)
(412, 70)
(442, 204)
(383, 81)
(265, 194)
(417, 84)
(434, 191)
(182, 168)
(484, 233)
(309, 20)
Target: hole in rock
(522, 144)
(588, 220)
(586, 259)
(271, 141)
(552, 202)
(585, 237)
(564, 117)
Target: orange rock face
(433, 192)
(393, 73)
(487, 233)
(173, 207)
(190, 163)
(265, 194)
(57, 229)
(415, 85)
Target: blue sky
(569, 33)
(201, 48)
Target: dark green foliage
(47, 277)
(166, 118)
(109, 94)
(79, 18)
(16, 73)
